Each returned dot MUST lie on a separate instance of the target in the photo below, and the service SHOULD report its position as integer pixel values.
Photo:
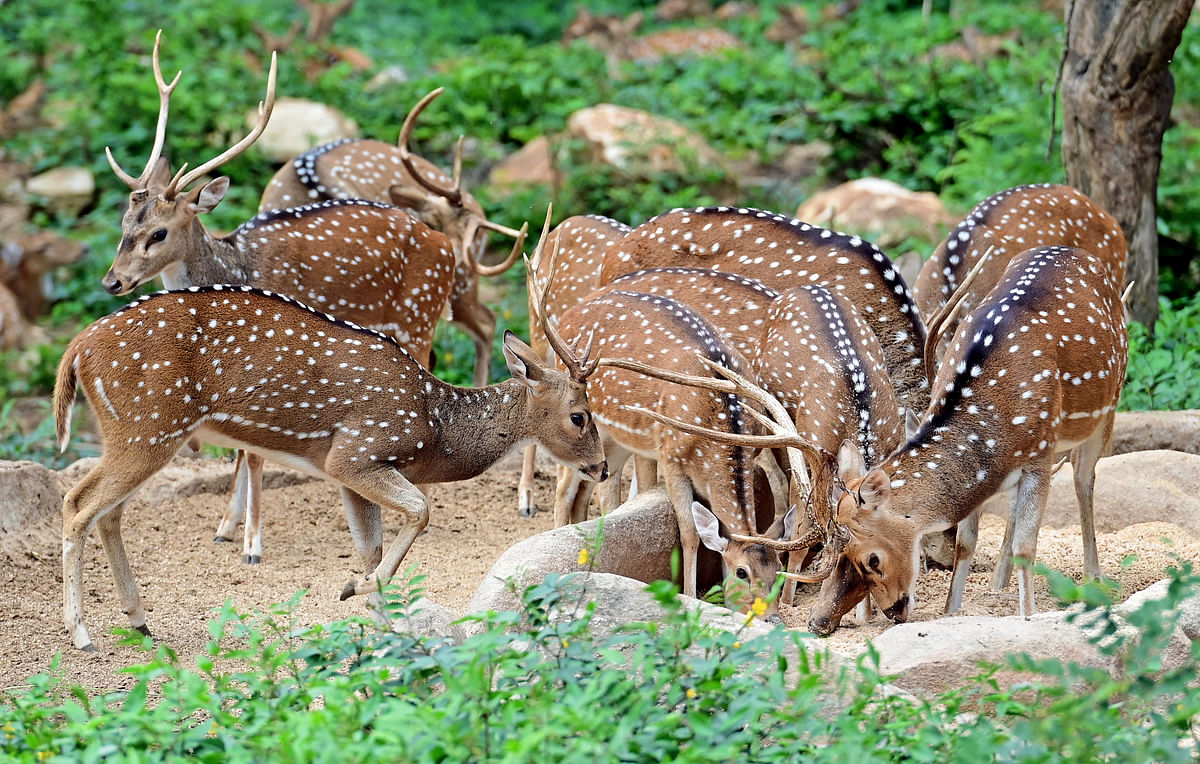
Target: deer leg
(386, 487)
(1083, 463)
(1032, 490)
(474, 318)
(526, 507)
(964, 551)
(768, 459)
(365, 520)
(645, 471)
(679, 489)
(103, 491)
(235, 510)
(571, 497)
(1002, 577)
(252, 538)
(610, 490)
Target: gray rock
(1187, 629)
(1138, 487)
(931, 657)
(640, 143)
(638, 539)
(29, 494)
(428, 619)
(1155, 430)
(879, 210)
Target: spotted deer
(651, 329)
(1035, 370)
(250, 369)
(579, 242)
(359, 168)
(1006, 224)
(370, 263)
(781, 253)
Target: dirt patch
(184, 576)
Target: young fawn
(250, 369)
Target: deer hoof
(347, 591)
(221, 540)
(89, 648)
(252, 559)
(525, 511)
(143, 629)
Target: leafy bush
(1158, 376)
(532, 686)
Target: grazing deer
(250, 369)
(366, 262)
(614, 37)
(781, 253)
(355, 168)
(27, 263)
(1006, 224)
(580, 242)
(1033, 371)
(648, 328)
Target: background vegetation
(866, 84)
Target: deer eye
(158, 235)
(873, 563)
(742, 573)
(578, 419)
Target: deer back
(781, 253)
(1008, 223)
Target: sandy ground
(184, 576)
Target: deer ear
(875, 488)
(708, 527)
(209, 195)
(523, 362)
(408, 197)
(912, 423)
(850, 461)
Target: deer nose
(898, 612)
(112, 284)
(821, 625)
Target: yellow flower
(583, 556)
(759, 607)
(566, 643)
(737, 645)
(43, 755)
(691, 693)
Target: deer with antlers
(579, 242)
(782, 252)
(250, 369)
(366, 262)
(356, 168)
(644, 328)
(1035, 370)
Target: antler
(182, 181)
(160, 133)
(454, 194)
(784, 434)
(944, 315)
(578, 366)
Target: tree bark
(1117, 90)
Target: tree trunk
(1117, 91)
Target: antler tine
(709, 383)
(822, 571)
(789, 545)
(494, 270)
(160, 132)
(578, 371)
(945, 315)
(452, 195)
(181, 181)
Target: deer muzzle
(898, 611)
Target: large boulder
(638, 538)
(1178, 649)
(1138, 487)
(878, 210)
(1153, 430)
(298, 125)
(639, 143)
(426, 618)
(67, 191)
(531, 165)
(932, 657)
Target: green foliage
(1158, 376)
(539, 684)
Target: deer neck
(473, 428)
(942, 475)
(211, 260)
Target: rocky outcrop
(878, 210)
(298, 125)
